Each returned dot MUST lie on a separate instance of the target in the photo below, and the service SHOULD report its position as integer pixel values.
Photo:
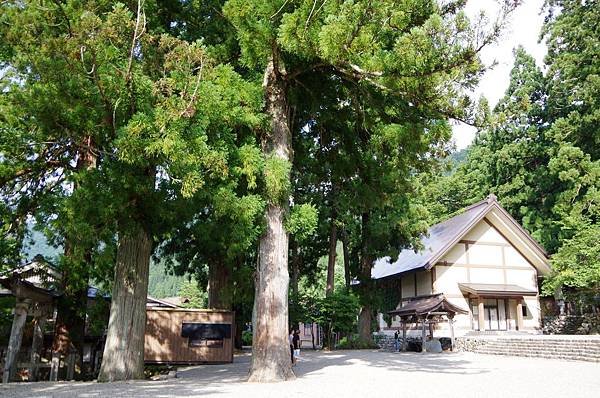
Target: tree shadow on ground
(451, 363)
(204, 380)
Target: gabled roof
(442, 237)
(38, 274)
(427, 304)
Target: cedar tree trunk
(331, 259)
(270, 348)
(366, 261)
(294, 277)
(123, 357)
(345, 250)
(219, 286)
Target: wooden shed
(189, 336)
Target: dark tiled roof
(427, 304)
(438, 239)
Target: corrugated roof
(437, 240)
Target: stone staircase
(578, 348)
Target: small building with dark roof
(480, 263)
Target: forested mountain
(160, 282)
(36, 244)
(163, 284)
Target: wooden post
(54, 366)
(451, 322)
(38, 341)
(520, 314)
(404, 334)
(14, 342)
(71, 365)
(423, 335)
(481, 315)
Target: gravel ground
(357, 374)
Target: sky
(523, 29)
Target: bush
(151, 370)
(355, 343)
(246, 337)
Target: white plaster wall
(524, 278)
(456, 255)
(447, 278)
(532, 320)
(484, 233)
(481, 254)
(487, 275)
(514, 258)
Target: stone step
(543, 340)
(563, 348)
(549, 349)
(549, 344)
(540, 355)
(546, 346)
(532, 345)
(546, 356)
(542, 351)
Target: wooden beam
(481, 315)
(404, 334)
(519, 314)
(54, 366)
(39, 322)
(14, 342)
(71, 365)
(451, 322)
(423, 336)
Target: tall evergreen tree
(161, 113)
(539, 151)
(409, 56)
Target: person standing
(296, 343)
(396, 341)
(291, 342)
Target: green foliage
(277, 179)
(97, 316)
(336, 313)
(251, 164)
(576, 265)
(302, 221)
(7, 306)
(192, 292)
(539, 150)
(155, 120)
(246, 338)
(354, 342)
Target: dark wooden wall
(164, 344)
